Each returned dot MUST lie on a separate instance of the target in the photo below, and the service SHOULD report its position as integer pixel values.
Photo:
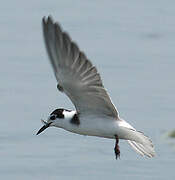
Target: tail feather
(132, 144)
(142, 144)
(138, 141)
(144, 150)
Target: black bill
(43, 128)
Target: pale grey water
(132, 43)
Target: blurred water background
(132, 44)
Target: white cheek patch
(68, 114)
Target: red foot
(116, 148)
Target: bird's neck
(72, 117)
(68, 115)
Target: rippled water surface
(132, 44)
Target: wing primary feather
(46, 39)
(74, 54)
(49, 37)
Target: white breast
(94, 126)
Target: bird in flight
(95, 114)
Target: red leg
(116, 148)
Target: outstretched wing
(76, 75)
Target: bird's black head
(54, 119)
(57, 113)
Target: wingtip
(47, 19)
(50, 19)
(44, 19)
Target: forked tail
(138, 141)
(145, 148)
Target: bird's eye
(52, 117)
